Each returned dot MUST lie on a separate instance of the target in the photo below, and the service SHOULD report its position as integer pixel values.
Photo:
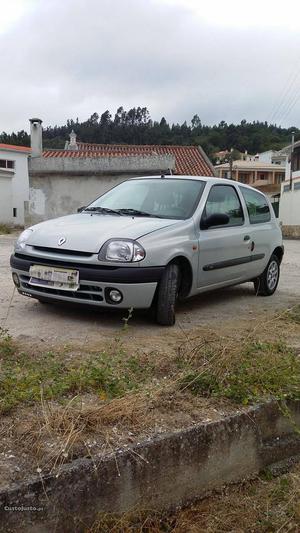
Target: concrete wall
(160, 473)
(55, 196)
(17, 181)
(58, 186)
(101, 166)
(289, 209)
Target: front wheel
(266, 283)
(167, 296)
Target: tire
(167, 295)
(266, 283)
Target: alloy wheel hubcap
(272, 275)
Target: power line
(286, 93)
(291, 105)
(283, 95)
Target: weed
(4, 229)
(7, 346)
(293, 314)
(23, 375)
(246, 373)
(127, 318)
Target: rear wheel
(167, 295)
(266, 283)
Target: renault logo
(61, 241)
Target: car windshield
(164, 198)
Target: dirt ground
(79, 330)
(27, 319)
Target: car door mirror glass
(81, 209)
(216, 219)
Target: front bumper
(137, 284)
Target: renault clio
(151, 241)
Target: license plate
(56, 278)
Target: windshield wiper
(136, 212)
(102, 210)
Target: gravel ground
(28, 319)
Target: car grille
(85, 292)
(61, 251)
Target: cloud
(68, 59)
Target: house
(61, 180)
(271, 156)
(264, 176)
(14, 184)
(289, 210)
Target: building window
(14, 212)
(279, 178)
(7, 163)
(244, 177)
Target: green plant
(258, 370)
(127, 318)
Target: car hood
(87, 233)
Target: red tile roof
(189, 160)
(14, 148)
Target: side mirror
(216, 219)
(81, 209)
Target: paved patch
(24, 317)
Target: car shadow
(116, 318)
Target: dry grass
(263, 505)
(5, 229)
(104, 396)
(68, 428)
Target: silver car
(152, 241)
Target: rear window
(257, 206)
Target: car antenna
(169, 173)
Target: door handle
(247, 238)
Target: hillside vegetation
(136, 127)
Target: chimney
(36, 137)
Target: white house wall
(289, 209)
(18, 185)
(5, 199)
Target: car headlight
(23, 238)
(121, 250)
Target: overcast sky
(224, 60)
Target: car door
(261, 229)
(224, 250)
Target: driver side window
(223, 199)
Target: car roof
(211, 179)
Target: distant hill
(136, 127)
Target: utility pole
(292, 152)
(231, 163)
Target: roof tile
(14, 148)
(188, 159)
